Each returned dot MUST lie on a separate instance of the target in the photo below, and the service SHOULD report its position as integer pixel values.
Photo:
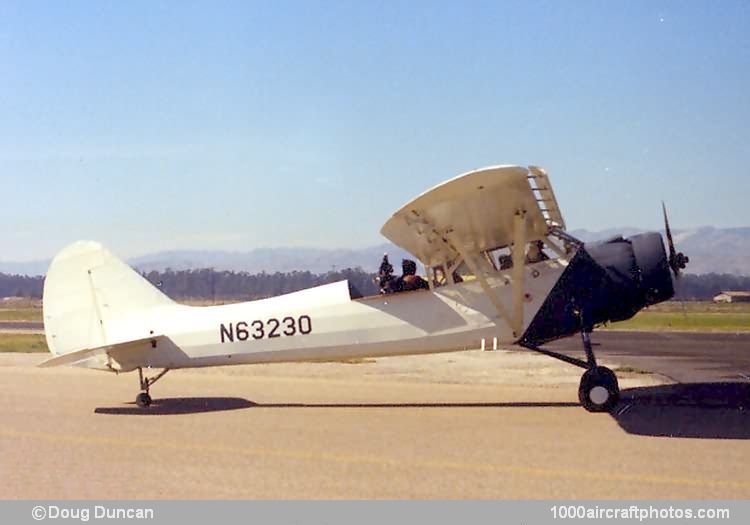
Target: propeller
(677, 260)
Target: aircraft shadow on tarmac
(686, 410)
(418, 405)
(181, 405)
(683, 410)
(197, 405)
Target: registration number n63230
(262, 329)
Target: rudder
(85, 290)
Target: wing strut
(471, 263)
(514, 319)
(519, 243)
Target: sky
(151, 125)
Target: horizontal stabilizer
(137, 346)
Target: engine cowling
(605, 281)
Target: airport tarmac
(682, 356)
(502, 424)
(25, 327)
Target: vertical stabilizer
(85, 290)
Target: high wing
(477, 210)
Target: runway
(29, 327)
(502, 424)
(682, 356)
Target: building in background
(732, 297)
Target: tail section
(87, 292)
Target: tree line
(226, 286)
(692, 287)
(222, 286)
(21, 286)
(213, 285)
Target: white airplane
(481, 238)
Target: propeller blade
(677, 260)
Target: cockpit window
(501, 258)
(535, 253)
(463, 273)
(438, 276)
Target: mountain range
(711, 250)
(717, 250)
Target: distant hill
(711, 250)
(269, 260)
(24, 268)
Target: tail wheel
(143, 400)
(599, 391)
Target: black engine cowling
(604, 281)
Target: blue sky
(236, 125)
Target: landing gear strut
(144, 399)
(598, 390)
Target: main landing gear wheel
(143, 400)
(599, 391)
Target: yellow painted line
(379, 461)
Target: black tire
(143, 400)
(599, 390)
